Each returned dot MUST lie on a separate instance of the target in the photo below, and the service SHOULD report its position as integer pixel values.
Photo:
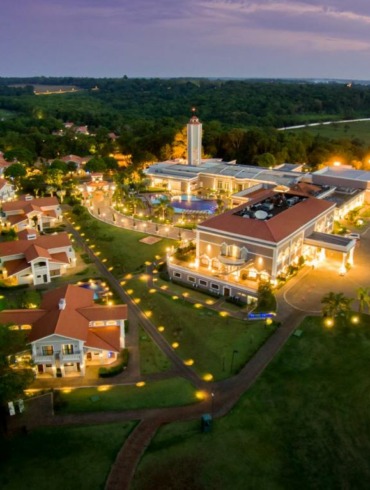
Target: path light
(175, 297)
(140, 384)
(198, 305)
(355, 320)
(189, 362)
(224, 314)
(208, 377)
(148, 313)
(200, 395)
(152, 290)
(104, 388)
(268, 322)
(329, 322)
(161, 328)
(175, 345)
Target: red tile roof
(35, 252)
(21, 317)
(14, 266)
(70, 322)
(272, 230)
(48, 242)
(101, 313)
(105, 338)
(23, 203)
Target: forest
(240, 119)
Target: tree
(265, 160)
(363, 296)
(13, 380)
(336, 305)
(15, 171)
(163, 207)
(54, 177)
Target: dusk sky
(170, 38)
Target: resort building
(69, 331)
(35, 259)
(259, 240)
(31, 212)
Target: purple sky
(171, 38)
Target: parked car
(354, 236)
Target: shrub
(108, 372)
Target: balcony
(40, 359)
(229, 260)
(75, 357)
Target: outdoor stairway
(124, 467)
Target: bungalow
(69, 331)
(35, 259)
(30, 212)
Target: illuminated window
(47, 350)
(67, 349)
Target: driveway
(305, 292)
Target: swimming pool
(186, 202)
(97, 287)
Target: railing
(228, 260)
(44, 359)
(75, 357)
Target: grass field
(73, 458)
(152, 359)
(119, 248)
(359, 130)
(304, 424)
(205, 337)
(155, 394)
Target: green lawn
(152, 359)
(121, 248)
(203, 335)
(154, 394)
(359, 130)
(304, 424)
(73, 458)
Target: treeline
(148, 116)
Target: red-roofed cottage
(35, 259)
(69, 331)
(29, 212)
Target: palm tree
(336, 304)
(163, 207)
(363, 296)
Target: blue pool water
(93, 286)
(189, 203)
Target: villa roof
(272, 230)
(47, 242)
(15, 266)
(101, 313)
(105, 338)
(24, 203)
(70, 321)
(35, 252)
